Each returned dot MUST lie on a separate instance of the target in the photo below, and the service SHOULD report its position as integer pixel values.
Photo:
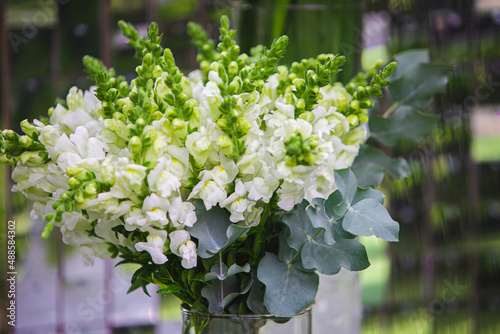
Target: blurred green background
(442, 277)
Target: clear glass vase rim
(240, 316)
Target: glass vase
(204, 323)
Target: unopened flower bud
(10, 135)
(233, 68)
(300, 104)
(140, 123)
(223, 123)
(363, 118)
(135, 144)
(25, 141)
(78, 196)
(91, 189)
(73, 171)
(31, 158)
(307, 116)
(180, 128)
(225, 144)
(29, 129)
(73, 182)
(353, 120)
(242, 127)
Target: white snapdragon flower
(262, 188)
(181, 245)
(49, 134)
(237, 203)
(134, 219)
(181, 213)
(163, 178)
(76, 114)
(128, 178)
(27, 177)
(208, 190)
(155, 245)
(90, 247)
(200, 144)
(156, 209)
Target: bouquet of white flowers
(229, 186)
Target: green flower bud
(224, 123)
(64, 196)
(233, 68)
(25, 141)
(119, 116)
(78, 196)
(73, 171)
(10, 135)
(367, 104)
(140, 123)
(148, 59)
(353, 120)
(242, 127)
(307, 116)
(299, 83)
(214, 66)
(300, 104)
(91, 189)
(225, 144)
(235, 114)
(354, 104)
(135, 144)
(31, 158)
(29, 129)
(363, 118)
(74, 183)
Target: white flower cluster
(286, 159)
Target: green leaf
(364, 193)
(174, 288)
(221, 272)
(369, 174)
(407, 60)
(300, 225)
(326, 242)
(417, 86)
(255, 299)
(210, 229)
(347, 185)
(214, 230)
(369, 217)
(221, 293)
(328, 259)
(319, 218)
(371, 163)
(406, 122)
(288, 290)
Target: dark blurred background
(442, 277)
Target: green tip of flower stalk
(224, 21)
(49, 227)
